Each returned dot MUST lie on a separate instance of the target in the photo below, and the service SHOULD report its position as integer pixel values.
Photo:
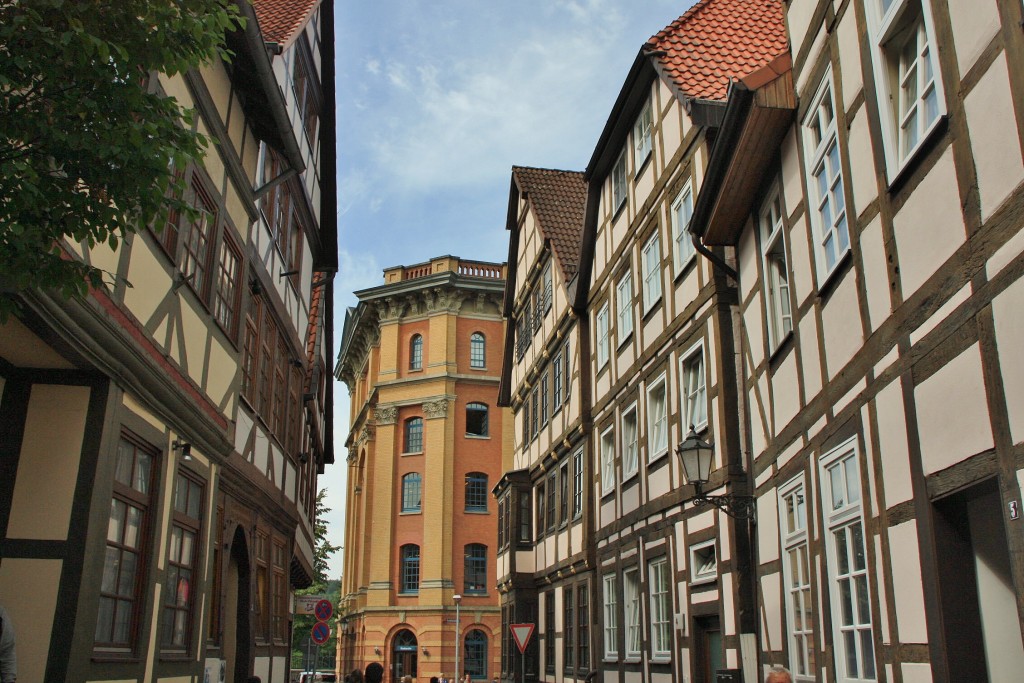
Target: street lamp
(458, 599)
(696, 456)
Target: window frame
(778, 304)
(699, 574)
(684, 252)
(643, 137)
(624, 306)
(611, 616)
(478, 640)
(186, 523)
(476, 568)
(482, 412)
(416, 352)
(577, 484)
(477, 351)
(556, 382)
(619, 183)
(657, 450)
(568, 630)
(412, 486)
(798, 589)
(602, 330)
(694, 397)
(660, 592)
(226, 300)
(409, 569)
(412, 434)
(607, 446)
(476, 491)
(630, 449)
(651, 271)
(632, 605)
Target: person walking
(8, 657)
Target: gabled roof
(716, 41)
(281, 20)
(558, 199)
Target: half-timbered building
(545, 534)
(160, 438)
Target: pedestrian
(442, 679)
(406, 678)
(778, 674)
(467, 679)
(433, 679)
(8, 657)
(374, 672)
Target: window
(652, 272)
(279, 619)
(703, 563)
(544, 394)
(552, 499)
(414, 435)
(198, 233)
(619, 182)
(602, 336)
(629, 442)
(182, 555)
(607, 461)
(524, 516)
(525, 415)
(776, 273)
(568, 637)
(476, 655)
(226, 298)
(611, 617)
(476, 492)
(631, 580)
(682, 212)
(549, 631)
(411, 492)
(568, 370)
(251, 351)
(477, 348)
(694, 392)
(797, 580)
(476, 419)
(409, 574)
(661, 608)
(642, 137)
(624, 306)
(541, 507)
(556, 383)
(545, 279)
(657, 419)
(261, 609)
(563, 508)
(416, 352)
(582, 628)
(910, 86)
(577, 490)
(503, 519)
(825, 174)
(538, 308)
(847, 565)
(536, 412)
(127, 538)
(475, 580)
(304, 83)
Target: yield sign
(522, 633)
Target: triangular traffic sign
(522, 634)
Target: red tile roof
(558, 199)
(281, 20)
(315, 311)
(716, 41)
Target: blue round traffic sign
(323, 610)
(320, 633)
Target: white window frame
(700, 571)
(601, 329)
(633, 607)
(577, 484)
(843, 515)
(651, 269)
(611, 617)
(548, 289)
(660, 590)
(694, 395)
(557, 379)
(624, 305)
(797, 593)
(682, 214)
(777, 302)
(818, 158)
(888, 31)
(656, 449)
(630, 441)
(618, 179)
(642, 137)
(607, 460)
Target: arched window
(403, 650)
(477, 349)
(476, 492)
(414, 435)
(411, 492)
(476, 419)
(476, 569)
(409, 578)
(416, 352)
(476, 654)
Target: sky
(436, 101)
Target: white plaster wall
(952, 413)
(792, 185)
(1005, 254)
(974, 25)
(28, 591)
(876, 274)
(892, 441)
(849, 48)
(785, 395)
(993, 128)
(930, 226)
(1009, 332)
(150, 284)
(771, 599)
(800, 259)
(768, 532)
(753, 327)
(798, 19)
(907, 584)
(841, 326)
(916, 673)
(863, 180)
(748, 256)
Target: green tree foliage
(330, 589)
(87, 151)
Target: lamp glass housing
(697, 456)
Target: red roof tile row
(280, 20)
(717, 41)
(558, 198)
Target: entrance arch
(237, 652)
(403, 655)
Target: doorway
(707, 643)
(236, 611)
(403, 656)
(978, 601)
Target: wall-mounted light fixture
(185, 448)
(696, 456)
(376, 649)
(426, 652)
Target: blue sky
(437, 100)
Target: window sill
(410, 512)
(642, 166)
(704, 581)
(780, 352)
(477, 512)
(830, 281)
(684, 268)
(625, 340)
(115, 656)
(477, 369)
(478, 437)
(412, 453)
(657, 456)
(649, 311)
(619, 209)
(904, 169)
(630, 478)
